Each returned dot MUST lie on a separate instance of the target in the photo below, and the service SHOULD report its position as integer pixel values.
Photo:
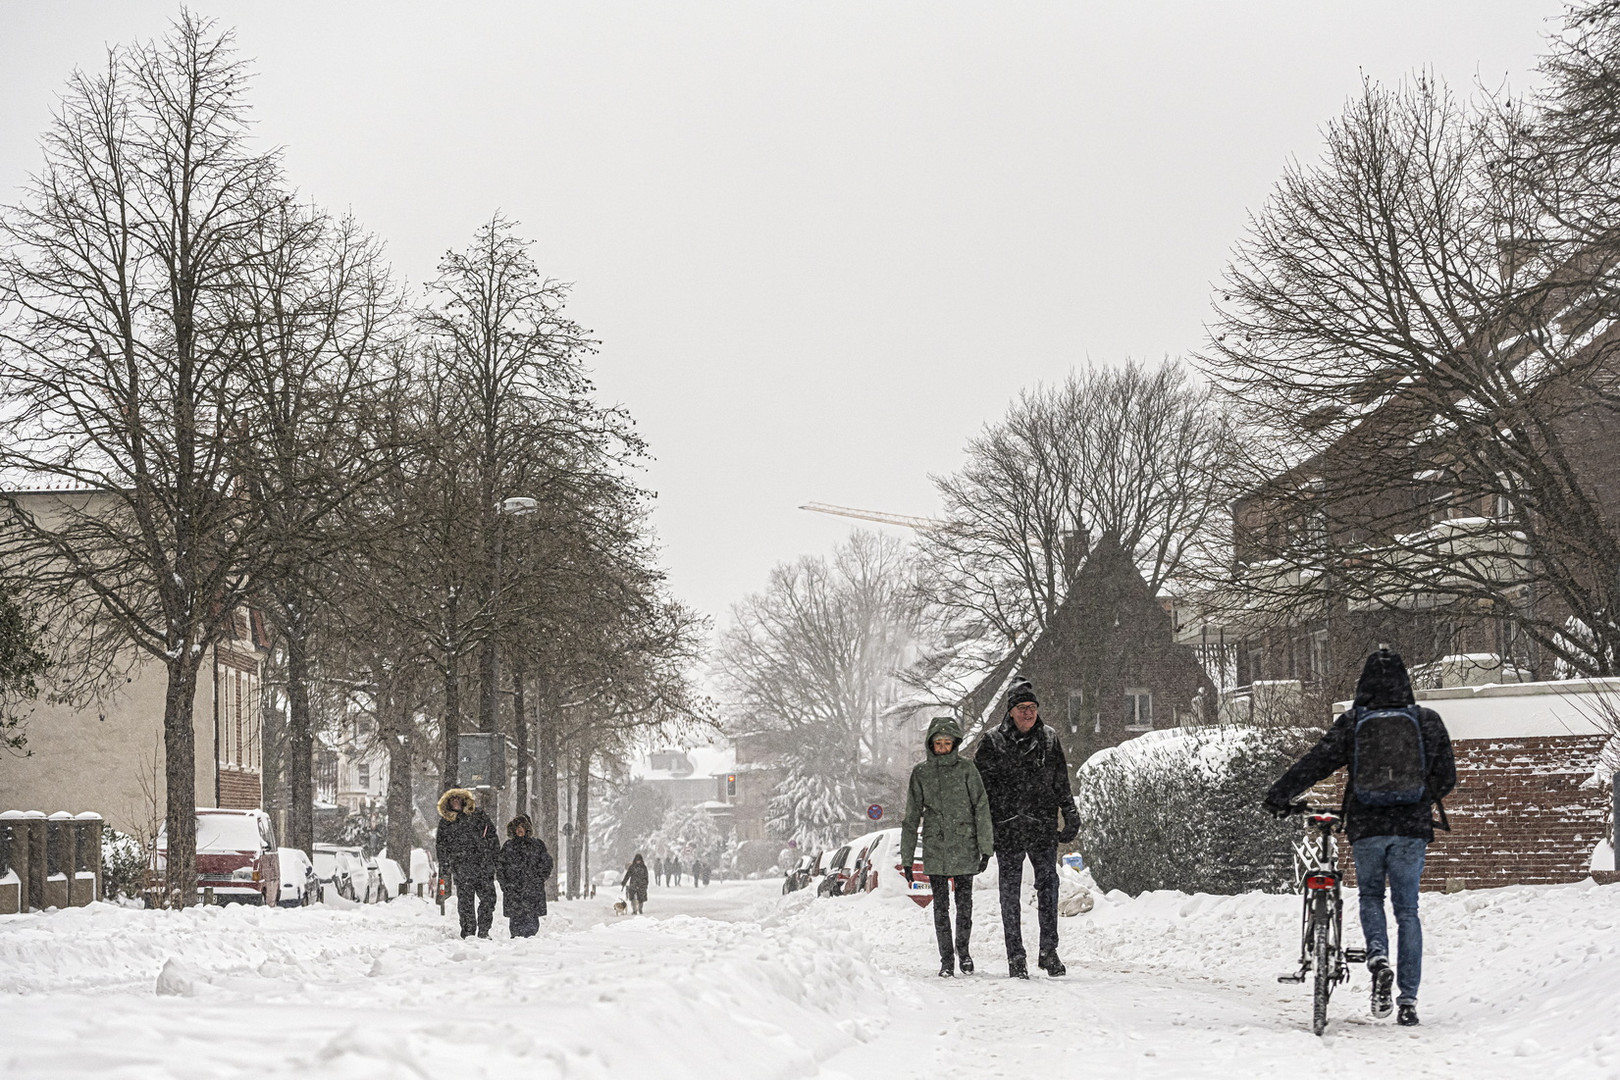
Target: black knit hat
(1019, 692)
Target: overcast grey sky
(822, 243)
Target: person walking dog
(1400, 764)
(1026, 778)
(946, 798)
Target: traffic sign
(875, 812)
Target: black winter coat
(1334, 752)
(1026, 778)
(635, 881)
(468, 845)
(523, 866)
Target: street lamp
(490, 675)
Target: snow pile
(391, 989)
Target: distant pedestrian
(635, 883)
(523, 866)
(1387, 817)
(706, 871)
(674, 877)
(466, 845)
(658, 870)
(946, 797)
(1026, 778)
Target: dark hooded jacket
(1384, 684)
(466, 842)
(1026, 778)
(523, 866)
(946, 796)
(634, 881)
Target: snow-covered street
(736, 981)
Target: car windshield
(227, 832)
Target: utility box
(13, 863)
(84, 884)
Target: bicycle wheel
(1322, 961)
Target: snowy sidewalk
(736, 981)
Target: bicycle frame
(1321, 947)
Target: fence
(49, 861)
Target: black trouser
(942, 886)
(1010, 870)
(479, 890)
(524, 925)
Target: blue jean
(1398, 860)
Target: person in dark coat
(673, 876)
(635, 883)
(466, 845)
(1389, 842)
(658, 870)
(523, 866)
(1026, 778)
(945, 798)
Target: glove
(911, 877)
(1277, 808)
(984, 863)
(1071, 826)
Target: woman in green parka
(947, 798)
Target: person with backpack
(1026, 778)
(1400, 764)
(946, 798)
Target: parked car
(300, 886)
(345, 871)
(236, 856)
(874, 863)
(798, 875)
(835, 874)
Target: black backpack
(1388, 766)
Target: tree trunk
(300, 743)
(273, 759)
(582, 818)
(399, 811)
(179, 780)
(546, 778)
(488, 686)
(451, 771)
(520, 735)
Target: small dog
(620, 907)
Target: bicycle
(1321, 952)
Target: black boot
(1049, 963)
(947, 966)
(965, 962)
(1016, 968)
(1407, 1016)
(1383, 979)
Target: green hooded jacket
(947, 798)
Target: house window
(1138, 710)
(364, 772)
(1077, 710)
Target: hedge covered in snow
(1180, 809)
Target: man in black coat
(1026, 778)
(1389, 841)
(466, 844)
(523, 866)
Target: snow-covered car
(835, 873)
(299, 884)
(344, 871)
(391, 876)
(236, 856)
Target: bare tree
(1422, 351)
(808, 666)
(1137, 450)
(121, 371)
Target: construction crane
(905, 521)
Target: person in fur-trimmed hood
(466, 844)
(523, 866)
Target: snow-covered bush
(123, 866)
(689, 832)
(1180, 809)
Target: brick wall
(238, 790)
(1519, 815)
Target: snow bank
(391, 989)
